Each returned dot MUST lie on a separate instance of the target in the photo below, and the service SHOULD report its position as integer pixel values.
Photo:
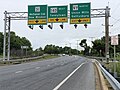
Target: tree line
(17, 42)
(98, 47)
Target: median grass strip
(25, 60)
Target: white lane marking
(18, 71)
(62, 64)
(37, 67)
(60, 84)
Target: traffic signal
(31, 27)
(50, 26)
(75, 26)
(41, 26)
(61, 26)
(85, 25)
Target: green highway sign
(37, 14)
(80, 13)
(57, 14)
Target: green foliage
(15, 43)
(99, 47)
(52, 49)
(1, 42)
(83, 44)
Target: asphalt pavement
(63, 73)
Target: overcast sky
(57, 36)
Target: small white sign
(53, 10)
(75, 7)
(37, 9)
(114, 40)
(24, 47)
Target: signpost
(80, 13)
(114, 41)
(37, 14)
(57, 14)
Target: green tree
(1, 42)
(83, 44)
(98, 47)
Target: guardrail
(17, 61)
(113, 82)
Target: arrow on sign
(79, 20)
(36, 21)
(57, 19)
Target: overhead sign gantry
(94, 13)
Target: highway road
(63, 73)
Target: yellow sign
(80, 21)
(37, 22)
(54, 20)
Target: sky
(58, 36)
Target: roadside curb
(102, 80)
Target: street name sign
(80, 13)
(37, 14)
(57, 14)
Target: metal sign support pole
(8, 53)
(115, 74)
(4, 42)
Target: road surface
(63, 73)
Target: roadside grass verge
(110, 67)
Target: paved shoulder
(83, 79)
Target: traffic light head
(61, 26)
(41, 26)
(85, 25)
(31, 27)
(50, 26)
(75, 26)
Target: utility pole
(107, 33)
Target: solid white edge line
(60, 84)
(37, 67)
(18, 71)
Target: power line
(117, 20)
(117, 7)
